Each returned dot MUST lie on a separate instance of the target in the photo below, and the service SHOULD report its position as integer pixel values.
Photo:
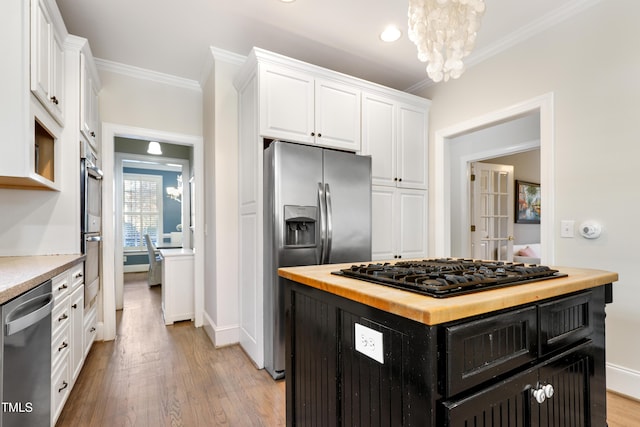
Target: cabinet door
(505, 404)
(570, 403)
(41, 34)
(88, 101)
(379, 138)
(286, 105)
(77, 331)
(383, 218)
(412, 147)
(337, 115)
(57, 80)
(412, 228)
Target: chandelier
(175, 193)
(444, 32)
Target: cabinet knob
(74, 306)
(319, 135)
(399, 179)
(63, 346)
(539, 395)
(542, 393)
(313, 134)
(395, 179)
(54, 100)
(548, 391)
(93, 134)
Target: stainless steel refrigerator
(317, 210)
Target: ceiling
(174, 36)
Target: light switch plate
(369, 342)
(566, 228)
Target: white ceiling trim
(144, 74)
(538, 26)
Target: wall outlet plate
(369, 342)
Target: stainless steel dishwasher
(26, 358)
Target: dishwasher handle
(29, 313)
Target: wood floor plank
(157, 375)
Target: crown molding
(221, 55)
(144, 74)
(538, 26)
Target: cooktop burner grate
(446, 277)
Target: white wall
(139, 102)
(220, 112)
(591, 64)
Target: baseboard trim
(623, 381)
(221, 336)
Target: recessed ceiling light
(390, 34)
(287, 1)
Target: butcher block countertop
(20, 274)
(433, 311)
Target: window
(141, 210)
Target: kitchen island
(359, 353)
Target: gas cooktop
(445, 277)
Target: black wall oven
(91, 229)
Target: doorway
(152, 197)
(113, 265)
(454, 149)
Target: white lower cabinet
(68, 335)
(177, 285)
(399, 223)
(77, 331)
(90, 330)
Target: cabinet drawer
(77, 275)
(60, 285)
(60, 316)
(479, 350)
(564, 322)
(60, 346)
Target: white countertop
(176, 252)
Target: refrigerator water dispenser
(300, 226)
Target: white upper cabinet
(47, 61)
(337, 115)
(395, 135)
(412, 147)
(89, 88)
(286, 104)
(296, 106)
(379, 137)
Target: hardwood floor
(157, 375)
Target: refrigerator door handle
(329, 221)
(322, 220)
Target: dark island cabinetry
(538, 364)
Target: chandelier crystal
(444, 32)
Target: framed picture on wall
(527, 207)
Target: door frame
(465, 167)
(440, 223)
(111, 267)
